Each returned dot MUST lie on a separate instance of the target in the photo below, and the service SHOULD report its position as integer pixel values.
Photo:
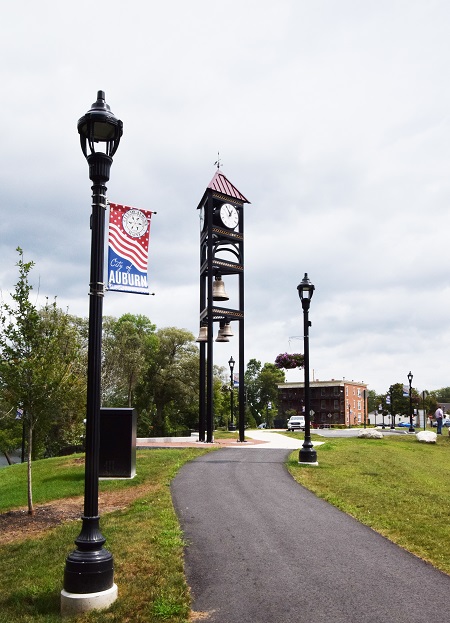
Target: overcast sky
(331, 116)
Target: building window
(336, 405)
(359, 405)
(323, 404)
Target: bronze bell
(219, 293)
(221, 337)
(226, 329)
(203, 335)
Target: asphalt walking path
(261, 548)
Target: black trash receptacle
(117, 456)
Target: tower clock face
(135, 223)
(229, 215)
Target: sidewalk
(263, 549)
(254, 438)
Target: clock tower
(221, 258)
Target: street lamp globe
(100, 126)
(305, 289)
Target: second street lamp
(89, 570)
(231, 425)
(411, 427)
(307, 455)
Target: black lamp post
(424, 394)
(90, 569)
(307, 453)
(411, 427)
(391, 407)
(231, 425)
(365, 407)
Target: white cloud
(332, 118)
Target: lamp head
(99, 125)
(410, 377)
(231, 363)
(305, 290)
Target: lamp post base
(76, 603)
(307, 456)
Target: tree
(38, 353)
(222, 397)
(441, 395)
(372, 401)
(397, 403)
(168, 393)
(63, 428)
(253, 387)
(127, 345)
(261, 384)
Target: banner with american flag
(129, 233)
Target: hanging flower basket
(289, 361)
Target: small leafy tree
(37, 356)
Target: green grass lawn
(395, 485)
(144, 538)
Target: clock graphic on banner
(135, 223)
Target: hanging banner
(129, 233)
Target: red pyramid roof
(222, 185)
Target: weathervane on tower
(218, 163)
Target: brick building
(333, 402)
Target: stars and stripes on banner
(129, 234)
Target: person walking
(439, 416)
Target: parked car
(263, 425)
(296, 422)
(403, 424)
(445, 422)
